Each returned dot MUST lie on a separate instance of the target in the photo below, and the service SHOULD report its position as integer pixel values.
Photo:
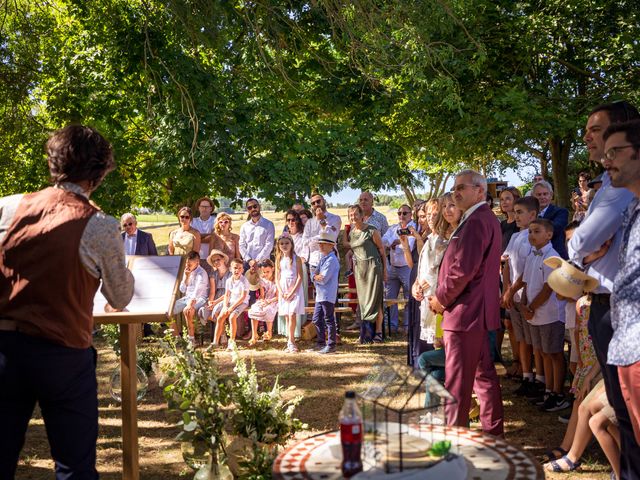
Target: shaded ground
(322, 381)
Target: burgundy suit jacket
(468, 280)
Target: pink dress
(288, 277)
(265, 313)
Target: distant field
(160, 225)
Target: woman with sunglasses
(295, 227)
(223, 239)
(424, 215)
(185, 238)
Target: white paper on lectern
(155, 277)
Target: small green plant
(111, 333)
(440, 449)
(147, 357)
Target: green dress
(367, 268)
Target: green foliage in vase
(193, 387)
(261, 416)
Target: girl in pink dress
(266, 308)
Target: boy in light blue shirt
(325, 280)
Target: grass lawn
(321, 379)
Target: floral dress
(585, 346)
(265, 313)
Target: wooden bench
(309, 310)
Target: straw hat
(215, 253)
(567, 280)
(326, 237)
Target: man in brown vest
(55, 248)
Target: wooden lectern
(156, 288)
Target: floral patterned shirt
(625, 299)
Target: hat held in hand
(567, 280)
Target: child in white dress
(289, 283)
(266, 308)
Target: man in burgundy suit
(468, 296)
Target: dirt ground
(321, 379)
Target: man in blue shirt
(603, 222)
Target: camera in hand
(404, 231)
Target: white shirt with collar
(312, 230)
(518, 250)
(130, 242)
(543, 211)
(535, 275)
(256, 239)
(205, 227)
(396, 255)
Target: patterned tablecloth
(488, 457)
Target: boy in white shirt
(195, 287)
(515, 255)
(545, 314)
(236, 301)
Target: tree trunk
(560, 148)
(410, 194)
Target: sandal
(554, 465)
(252, 343)
(377, 338)
(266, 336)
(554, 453)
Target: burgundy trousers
(468, 368)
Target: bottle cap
(350, 394)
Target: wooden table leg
(128, 365)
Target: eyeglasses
(462, 186)
(404, 213)
(127, 224)
(253, 206)
(613, 151)
(205, 206)
(291, 219)
(185, 216)
(316, 202)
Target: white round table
(488, 457)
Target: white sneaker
(231, 345)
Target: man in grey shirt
(57, 247)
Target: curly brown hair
(77, 153)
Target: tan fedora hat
(567, 280)
(215, 253)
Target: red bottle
(351, 436)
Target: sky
(349, 195)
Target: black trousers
(63, 382)
(601, 332)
